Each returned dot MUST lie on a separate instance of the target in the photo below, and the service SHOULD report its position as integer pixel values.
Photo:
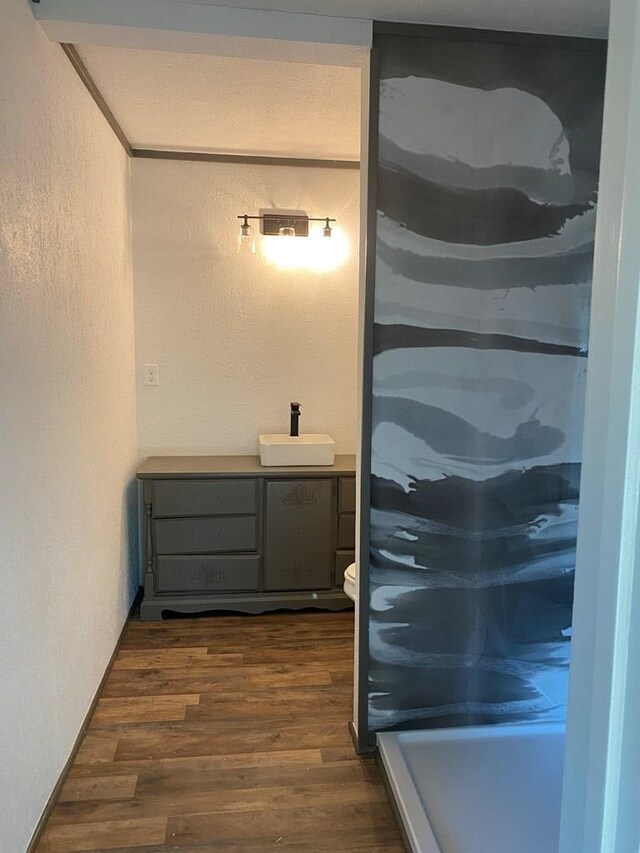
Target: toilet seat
(350, 582)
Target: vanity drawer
(347, 530)
(206, 535)
(347, 494)
(208, 574)
(204, 497)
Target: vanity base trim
(152, 608)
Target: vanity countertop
(168, 467)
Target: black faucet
(295, 419)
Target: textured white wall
(67, 412)
(236, 338)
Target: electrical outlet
(151, 375)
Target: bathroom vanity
(225, 533)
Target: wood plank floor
(225, 733)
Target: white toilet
(350, 583)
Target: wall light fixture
(281, 225)
(314, 254)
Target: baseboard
(365, 746)
(44, 817)
(354, 735)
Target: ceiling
(255, 97)
(229, 104)
(563, 17)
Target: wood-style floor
(225, 733)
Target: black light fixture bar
(273, 222)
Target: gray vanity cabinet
(299, 534)
(224, 533)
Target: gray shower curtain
(486, 194)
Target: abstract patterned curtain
(487, 190)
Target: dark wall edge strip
(44, 817)
(432, 31)
(242, 159)
(367, 739)
(87, 79)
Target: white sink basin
(310, 449)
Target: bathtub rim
(411, 815)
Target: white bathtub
(489, 789)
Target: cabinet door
(300, 520)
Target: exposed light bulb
(327, 231)
(324, 255)
(313, 253)
(286, 231)
(246, 239)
